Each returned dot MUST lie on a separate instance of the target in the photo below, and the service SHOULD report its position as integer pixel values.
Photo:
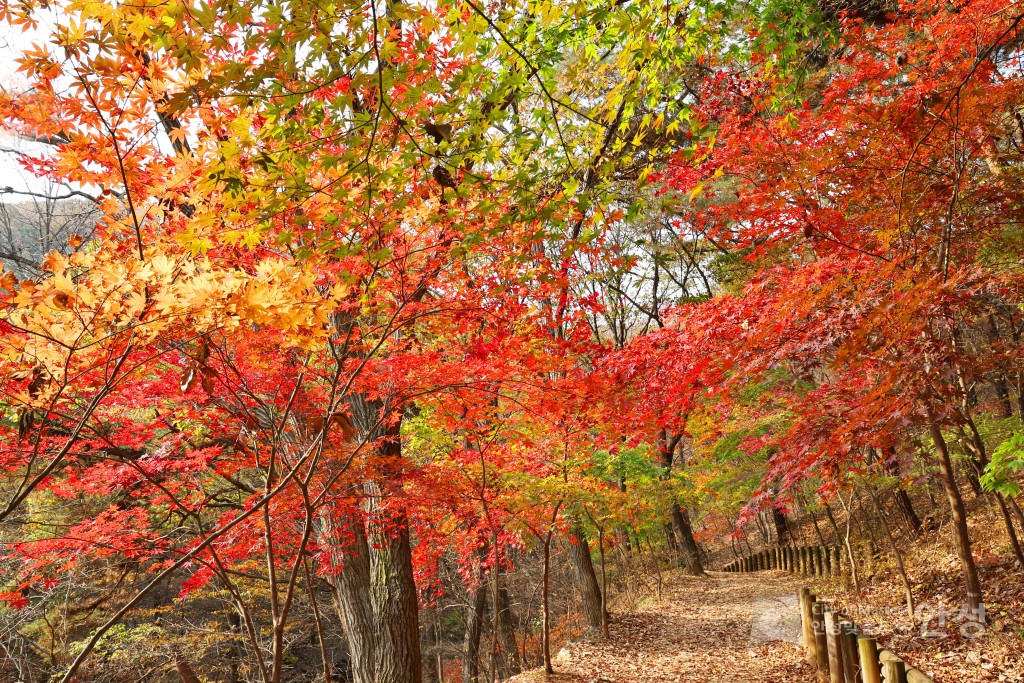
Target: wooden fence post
(848, 638)
(868, 650)
(834, 638)
(826, 560)
(894, 670)
(806, 621)
(820, 640)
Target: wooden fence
(842, 653)
(839, 650)
(836, 647)
(812, 560)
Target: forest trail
(723, 628)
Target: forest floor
(725, 627)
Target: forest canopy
(351, 337)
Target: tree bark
(1016, 511)
(1008, 521)
(907, 589)
(375, 589)
(906, 508)
(586, 578)
(509, 663)
(621, 533)
(850, 555)
(903, 502)
(682, 532)
(545, 632)
(972, 583)
(998, 378)
(684, 535)
(396, 608)
(428, 649)
(782, 532)
(814, 520)
(474, 629)
(352, 591)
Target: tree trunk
(395, 603)
(972, 584)
(980, 461)
(832, 520)
(428, 648)
(509, 663)
(604, 583)
(903, 502)
(586, 578)
(545, 632)
(671, 538)
(998, 379)
(1016, 511)
(907, 590)
(684, 534)
(851, 556)
(474, 628)
(906, 508)
(1008, 521)
(621, 533)
(781, 526)
(352, 589)
(376, 590)
(235, 626)
(814, 522)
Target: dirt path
(726, 628)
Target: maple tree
(375, 287)
(881, 209)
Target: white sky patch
(13, 42)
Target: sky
(12, 42)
